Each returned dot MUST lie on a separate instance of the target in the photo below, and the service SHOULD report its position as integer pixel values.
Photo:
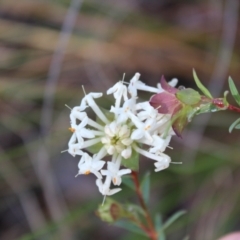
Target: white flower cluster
(131, 126)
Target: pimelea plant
(131, 128)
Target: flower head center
(117, 137)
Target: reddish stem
(219, 103)
(150, 230)
(233, 108)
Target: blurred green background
(50, 48)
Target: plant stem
(233, 108)
(150, 230)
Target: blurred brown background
(49, 48)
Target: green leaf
(132, 162)
(238, 126)
(234, 90)
(186, 238)
(172, 219)
(200, 85)
(130, 227)
(145, 187)
(158, 221)
(234, 125)
(225, 98)
(158, 226)
(135, 209)
(188, 96)
(127, 180)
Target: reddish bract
(167, 103)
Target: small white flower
(135, 84)
(74, 148)
(159, 144)
(114, 172)
(88, 165)
(119, 91)
(162, 164)
(142, 128)
(121, 113)
(87, 100)
(147, 111)
(104, 188)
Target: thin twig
(151, 230)
(233, 108)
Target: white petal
(98, 165)
(113, 191)
(142, 86)
(113, 127)
(96, 173)
(124, 172)
(83, 123)
(108, 131)
(136, 120)
(101, 154)
(105, 140)
(95, 124)
(104, 172)
(161, 165)
(126, 153)
(126, 141)
(87, 133)
(137, 134)
(122, 118)
(124, 131)
(173, 82)
(91, 142)
(119, 148)
(116, 180)
(148, 136)
(111, 150)
(99, 183)
(96, 109)
(148, 154)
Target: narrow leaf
(158, 226)
(200, 85)
(238, 126)
(233, 125)
(130, 227)
(128, 182)
(135, 209)
(145, 187)
(172, 219)
(225, 98)
(234, 90)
